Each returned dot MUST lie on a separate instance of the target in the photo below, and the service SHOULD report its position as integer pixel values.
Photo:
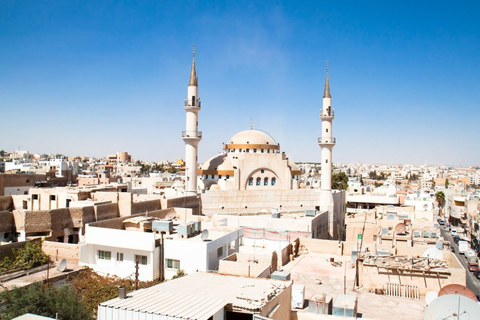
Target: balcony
(329, 113)
(193, 104)
(328, 140)
(191, 134)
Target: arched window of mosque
(265, 182)
(254, 150)
(259, 181)
(250, 181)
(274, 181)
(248, 150)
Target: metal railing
(327, 140)
(191, 134)
(327, 113)
(193, 103)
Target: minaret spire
(191, 135)
(326, 93)
(193, 72)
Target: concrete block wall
(323, 246)
(58, 251)
(6, 250)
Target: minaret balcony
(327, 114)
(327, 141)
(192, 104)
(192, 134)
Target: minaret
(326, 142)
(192, 136)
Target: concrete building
(204, 296)
(112, 246)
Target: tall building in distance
(327, 142)
(191, 135)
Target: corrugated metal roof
(200, 295)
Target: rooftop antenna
(251, 123)
(326, 62)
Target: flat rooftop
(319, 275)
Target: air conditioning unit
(163, 225)
(310, 213)
(186, 230)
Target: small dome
(218, 162)
(252, 137)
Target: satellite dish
(430, 296)
(451, 306)
(400, 228)
(204, 235)
(433, 253)
(63, 265)
(457, 289)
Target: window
(219, 176)
(262, 171)
(35, 196)
(119, 256)
(250, 181)
(254, 150)
(27, 181)
(173, 264)
(274, 181)
(265, 182)
(259, 181)
(248, 150)
(326, 130)
(326, 161)
(228, 176)
(52, 198)
(220, 252)
(261, 150)
(104, 255)
(141, 259)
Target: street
(472, 282)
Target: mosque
(253, 176)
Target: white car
(453, 232)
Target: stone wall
(253, 201)
(143, 206)
(58, 251)
(37, 221)
(106, 211)
(6, 221)
(6, 203)
(191, 202)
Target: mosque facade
(253, 176)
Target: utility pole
(136, 272)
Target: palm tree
(440, 197)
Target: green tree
(44, 300)
(446, 183)
(339, 181)
(25, 258)
(180, 273)
(440, 197)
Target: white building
(112, 247)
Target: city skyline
(91, 79)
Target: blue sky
(95, 77)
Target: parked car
(477, 274)
(473, 266)
(456, 239)
(441, 222)
(453, 232)
(453, 249)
